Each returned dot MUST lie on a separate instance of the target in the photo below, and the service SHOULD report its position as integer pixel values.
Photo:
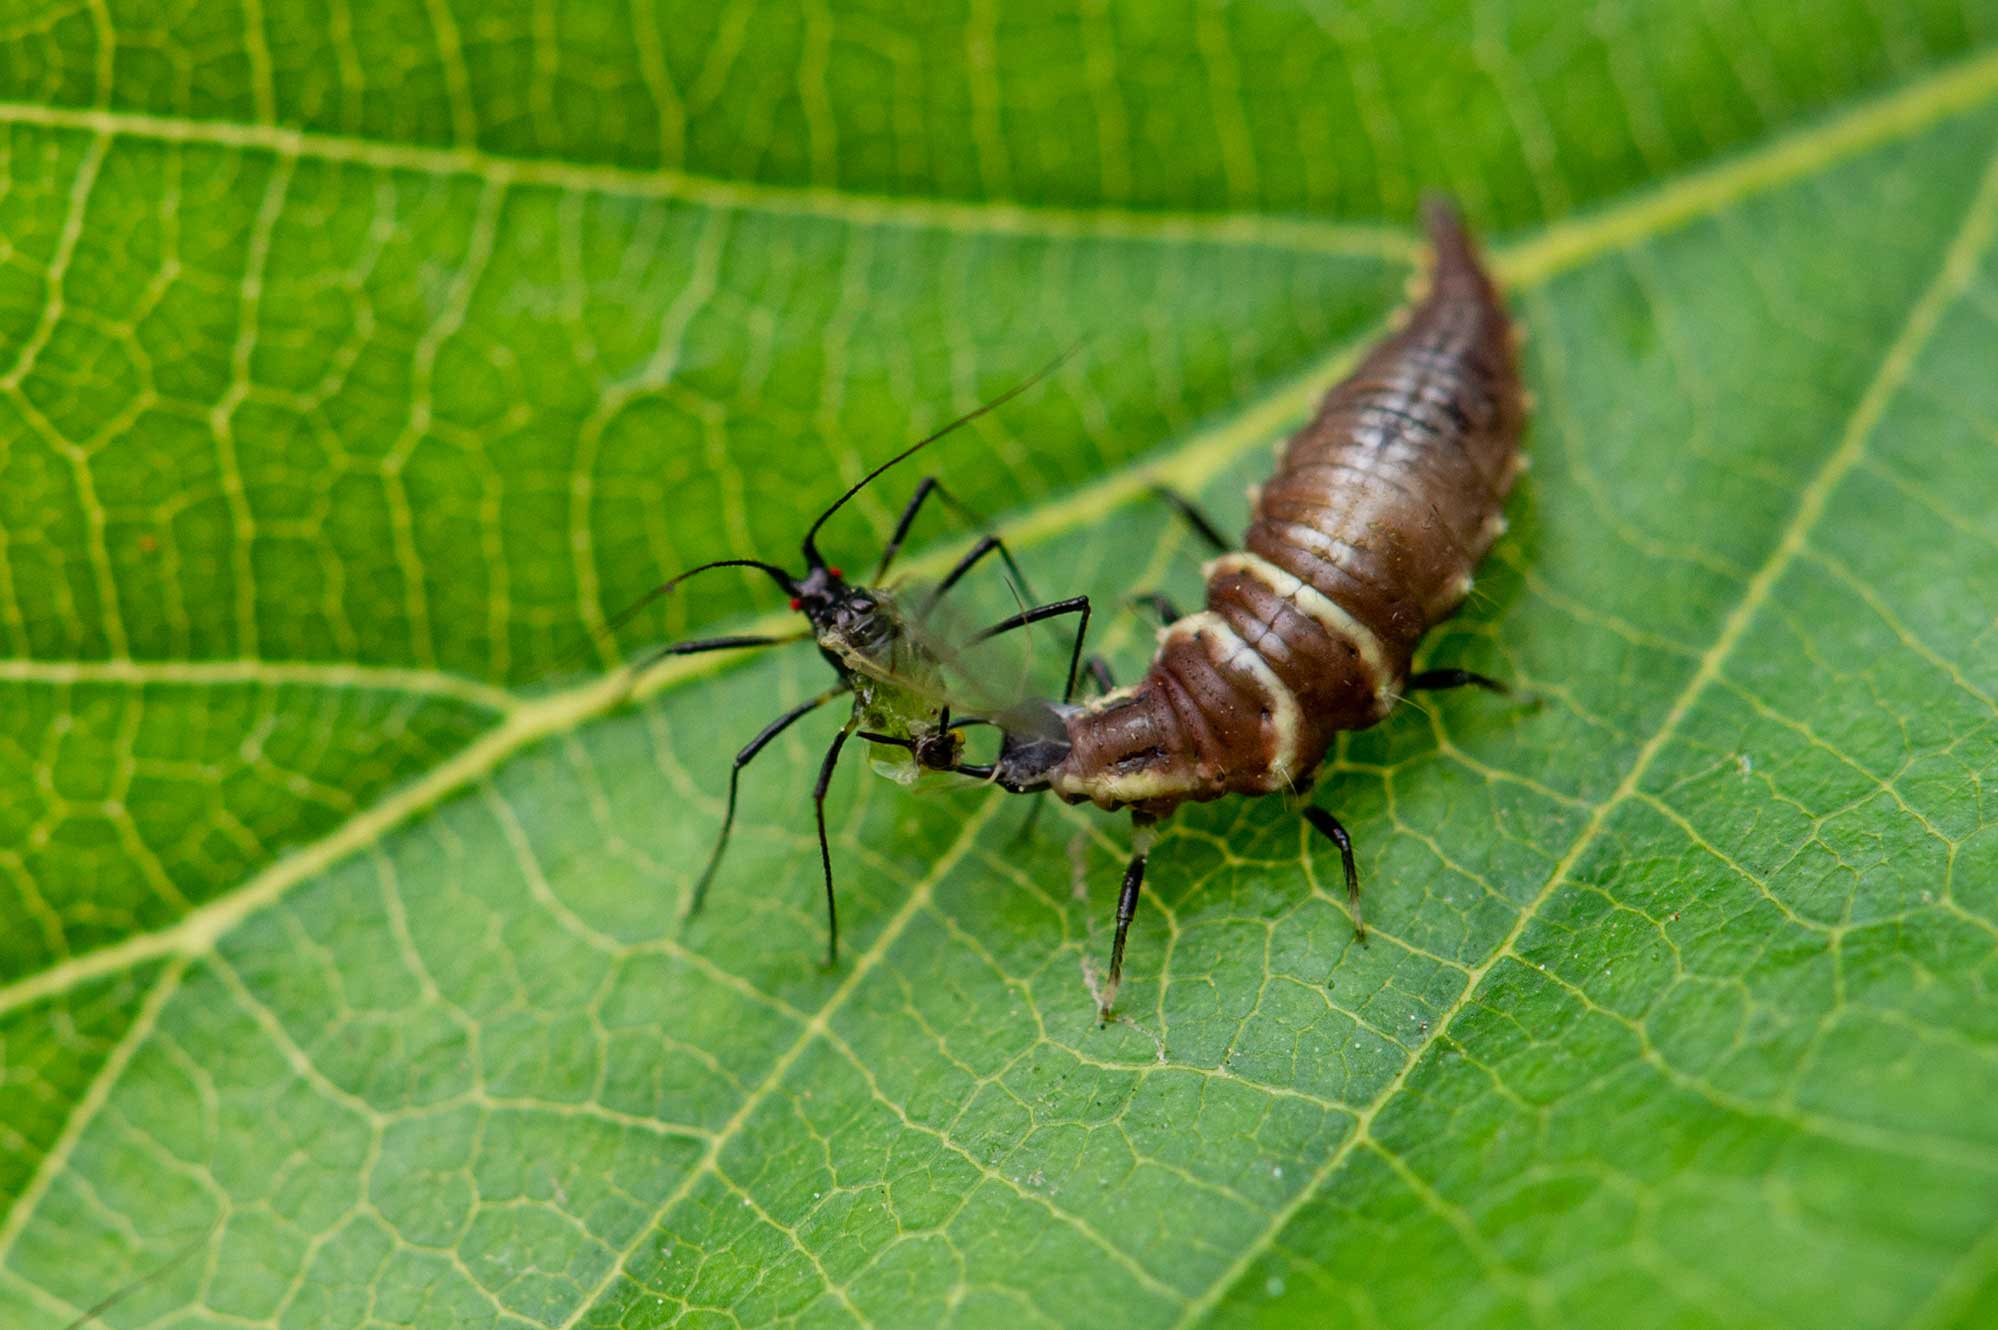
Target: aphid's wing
(900, 665)
(978, 676)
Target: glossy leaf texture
(358, 361)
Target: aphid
(879, 648)
(1364, 538)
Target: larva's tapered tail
(1366, 536)
(1454, 256)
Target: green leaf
(355, 364)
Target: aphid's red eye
(836, 572)
(797, 604)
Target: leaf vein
(968, 217)
(15, 1221)
(912, 906)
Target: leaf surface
(356, 366)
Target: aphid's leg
(742, 759)
(1099, 673)
(1437, 680)
(1328, 826)
(1203, 526)
(825, 847)
(931, 485)
(811, 548)
(1076, 605)
(985, 546)
(1159, 604)
(1144, 830)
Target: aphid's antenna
(714, 644)
(812, 558)
(631, 611)
(777, 575)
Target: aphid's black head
(853, 618)
(821, 588)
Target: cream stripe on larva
(1226, 648)
(1315, 605)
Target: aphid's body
(897, 675)
(1366, 536)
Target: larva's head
(1034, 743)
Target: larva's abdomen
(1386, 501)
(1366, 536)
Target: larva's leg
(1328, 826)
(742, 759)
(1076, 605)
(1203, 526)
(1159, 604)
(1099, 674)
(1438, 680)
(1031, 820)
(1143, 832)
(825, 847)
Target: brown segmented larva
(1365, 537)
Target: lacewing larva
(1366, 536)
